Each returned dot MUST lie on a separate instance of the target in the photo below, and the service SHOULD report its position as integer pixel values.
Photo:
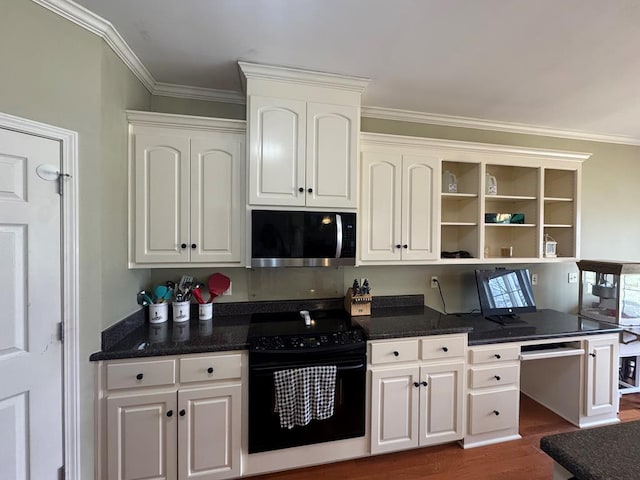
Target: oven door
(348, 420)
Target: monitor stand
(505, 319)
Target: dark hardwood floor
(515, 460)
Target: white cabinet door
(216, 210)
(441, 401)
(277, 130)
(394, 409)
(142, 436)
(209, 432)
(161, 170)
(601, 384)
(420, 207)
(380, 208)
(332, 149)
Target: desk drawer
(494, 376)
(394, 352)
(491, 411)
(442, 346)
(140, 374)
(221, 367)
(494, 353)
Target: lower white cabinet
(602, 381)
(420, 402)
(189, 430)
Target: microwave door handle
(338, 236)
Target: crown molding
(198, 93)
(305, 77)
(104, 29)
(136, 117)
(468, 122)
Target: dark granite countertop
(603, 453)
(392, 317)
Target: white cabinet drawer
(491, 411)
(494, 353)
(394, 352)
(141, 374)
(494, 376)
(198, 369)
(442, 346)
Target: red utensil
(218, 284)
(198, 295)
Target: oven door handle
(272, 369)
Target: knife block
(357, 305)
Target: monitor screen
(504, 294)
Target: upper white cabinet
(187, 190)
(399, 211)
(427, 201)
(303, 132)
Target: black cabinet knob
(423, 383)
(182, 412)
(310, 190)
(416, 384)
(593, 355)
(446, 349)
(183, 245)
(193, 246)
(405, 246)
(301, 189)
(170, 413)
(210, 370)
(498, 356)
(396, 353)
(497, 377)
(139, 376)
(398, 246)
(496, 413)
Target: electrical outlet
(572, 277)
(534, 279)
(434, 282)
(228, 291)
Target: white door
(380, 206)
(602, 381)
(419, 207)
(31, 432)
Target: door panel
(380, 211)
(30, 294)
(419, 209)
(441, 417)
(602, 391)
(331, 155)
(215, 201)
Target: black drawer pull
(446, 349)
(396, 353)
(593, 355)
(170, 413)
(416, 384)
(498, 356)
(139, 376)
(398, 246)
(182, 412)
(301, 189)
(496, 413)
(423, 383)
(210, 370)
(193, 246)
(183, 245)
(310, 190)
(497, 377)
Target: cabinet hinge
(61, 179)
(61, 331)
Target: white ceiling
(560, 64)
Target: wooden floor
(515, 460)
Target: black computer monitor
(504, 294)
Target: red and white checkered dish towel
(305, 394)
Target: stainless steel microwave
(302, 239)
